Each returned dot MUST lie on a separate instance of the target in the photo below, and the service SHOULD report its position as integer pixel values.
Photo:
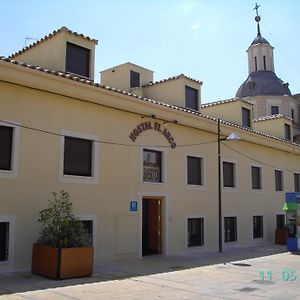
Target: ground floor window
(258, 227)
(195, 232)
(88, 227)
(230, 229)
(280, 221)
(4, 241)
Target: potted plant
(64, 249)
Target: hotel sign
(149, 125)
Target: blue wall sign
(133, 206)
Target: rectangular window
(255, 63)
(134, 79)
(152, 166)
(78, 60)
(6, 142)
(78, 155)
(265, 64)
(293, 115)
(195, 232)
(256, 178)
(4, 241)
(297, 182)
(194, 170)
(258, 228)
(246, 117)
(191, 98)
(228, 174)
(274, 110)
(287, 132)
(278, 181)
(280, 222)
(230, 229)
(88, 228)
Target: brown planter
(280, 236)
(62, 263)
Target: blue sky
(204, 39)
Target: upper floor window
(152, 166)
(78, 60)
(297, 182)
(287, 132)
(256, 178)
(6, 144)
(194, 170)
(278, 180)
(134, 79)
(293, 114)
(191, 98)
(246, 117)
(228, 174)
(274, 110)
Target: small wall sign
(133, 206)
(149, 125)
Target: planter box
(62, 263)
(280, 236)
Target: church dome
(263, 83)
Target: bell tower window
(255, 63)
(265, 65)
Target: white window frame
(11, 219)
(163, 166)
(196, 248)
(261, 179)
(95, 159)
(235, 175)
(13, 173)
(259, 240)
(203, 173)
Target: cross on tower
(256, 8)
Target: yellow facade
(45, 107)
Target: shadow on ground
(22, 282)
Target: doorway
(151, 227)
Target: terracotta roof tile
(49, 36)
(172, 78)
(171, 106)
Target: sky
(203, 39)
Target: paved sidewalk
(265, 272)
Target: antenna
(28, 38)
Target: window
(265, 65)
(246, 117)
(195, 232)
(230, 229)
(78, 156)
(6, 144)
(191, 98)
(152, 166)
(78, 60)
(297, 182)
(4, 241)
(287, 132)
(228, 174)
(134, 79)
(274, 110)
(293, 115)
(258, 228)
(194, 170)
(87, 225)
(280, 222)
(256, 178)
(255, 63)
(278, 181)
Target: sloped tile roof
(225, 102)
(266, 118)
(172, 78)
(49, 36)
(171, 106)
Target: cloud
(195, 26)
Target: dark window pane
(78, 60)
(274, 110)
(287, 131)
(152, 166)
(191, 98)
(134, 79)
(278, 180)
(4, 240)
(228, 174)
(230, 229)
(280, 222)
(256, 178)
(195, 232)
(246, 114)
(87, 226)
(297, 182)
(258, 228)
(6, 136)
(194, 165)
(78, 157)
